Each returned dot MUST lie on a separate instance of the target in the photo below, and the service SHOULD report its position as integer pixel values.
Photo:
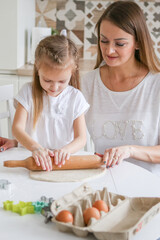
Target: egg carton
(125, 218)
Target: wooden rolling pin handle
(15, 163)
(75, 162)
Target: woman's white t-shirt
(54, 128)
(123, 118)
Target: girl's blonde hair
(128, 16)
(58, 52)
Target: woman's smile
(112, 57)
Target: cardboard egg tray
(125, 218)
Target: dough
(68, 175)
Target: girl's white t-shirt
(123, 118)
(54, 128)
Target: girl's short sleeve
(24, 96)
(81, 105)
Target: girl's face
(54, 80)
(117, 46)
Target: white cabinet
(17, 82)
(9, 79)
(4, 80)
(22, 80)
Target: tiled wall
(79, 18)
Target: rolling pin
(75, 162)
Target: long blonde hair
(55, 51)
(128, 16)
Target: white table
(126, 179)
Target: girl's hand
(116, 155)
(42, 158)
(60, 156)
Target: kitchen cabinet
(17, 82)
(9, 79)
(22, 80)
(4, 80)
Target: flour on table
(68, 175)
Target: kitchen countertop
(84, 65)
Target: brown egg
(101, 205)
(91, 213)
(64, 216)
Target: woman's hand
(42, 157)
(6, 143)
(60, 156)
(116, 155)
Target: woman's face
(54, 80)
(117, 46)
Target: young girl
(49, 119)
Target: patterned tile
(93, 10)
(77, 36)
(79, 17)
(152, 12)
(70, 15)
(46, 13)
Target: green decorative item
(22, 208)
(54, 31)
(7, 205)
(39, 205)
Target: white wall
(26, 11)
(17, 18)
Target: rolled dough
(68, 175)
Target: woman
(124, 90)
